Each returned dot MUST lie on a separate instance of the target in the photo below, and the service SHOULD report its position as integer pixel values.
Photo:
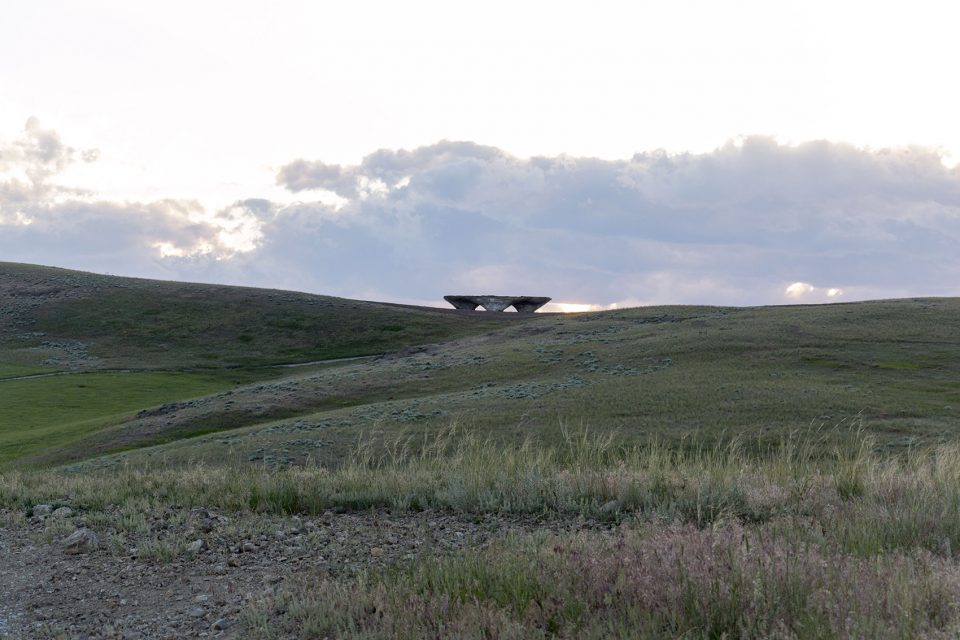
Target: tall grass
(803, 538)
(866, 501)
(674, 581)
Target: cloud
(754, 221)
(26, 165)
(799, 290)
(728, 226)
(303, 175)
(46, 222)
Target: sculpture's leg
(462, 303)
(527, 307)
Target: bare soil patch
(149, 584)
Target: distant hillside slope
(61, 319)
(175, 373)
(655, 373)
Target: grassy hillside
(72, 320)
(38, 414)
(140, 343)
(655, 373)
(694, 472)
(665, 373)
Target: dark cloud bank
(737, 225)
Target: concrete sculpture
(523, 304)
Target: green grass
(816, 536)
(145, 324)
(648, 374)
(867, 501)
(903, 366)
(40, 413)
(811, 538)
(762, 472)
(663, 582)
(15, 371)
(190, 327)
(663, 374)
(196, 338)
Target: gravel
(107, 590)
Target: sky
(604, 153)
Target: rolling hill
(185, 459)
(79, 352)
(172, 373)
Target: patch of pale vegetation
(724, 581)
(806, 539)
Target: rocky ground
(193, 573)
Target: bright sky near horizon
(214, 101)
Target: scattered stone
(80, 541)
(196, 547)
(222, 624)
(205, 596)
(62, 512)
(41, 510)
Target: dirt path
(294, 365)
(14, 581)
(53, 374)
(297, 365)
(146, 585)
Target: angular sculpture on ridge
(523, 304)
